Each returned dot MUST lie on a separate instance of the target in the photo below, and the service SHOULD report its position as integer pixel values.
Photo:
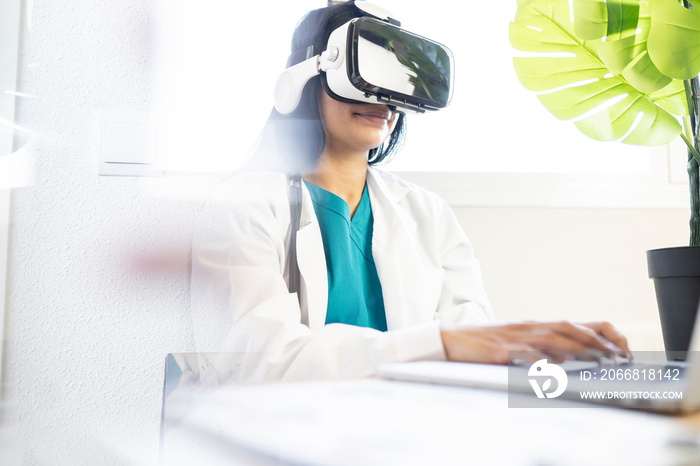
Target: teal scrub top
(354, 290)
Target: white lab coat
(241, 302)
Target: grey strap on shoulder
(294, 184)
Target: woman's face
(356, 127)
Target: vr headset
(371, 59)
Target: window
(497, 145)
(9, 38)
(12, 168)
(494, 124)
(220, 62)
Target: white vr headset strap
(377, 12)
(290, 84)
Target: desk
(373, 421)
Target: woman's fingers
(610, 333)
(587, 336)
(550, 337)
(491, 343)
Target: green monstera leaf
(615, 19)
(674, 39)
(600, 58)
(628, 56)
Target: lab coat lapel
(403, 279)
(312, 265)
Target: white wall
(578, 264)
(98, 283)
(90, 320)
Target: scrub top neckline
(358, 225)
(337, 204)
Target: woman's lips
(378, 117)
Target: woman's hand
(491, 343)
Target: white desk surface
(372, 421)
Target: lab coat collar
(394, 249)
(312, 265)
(385, 200)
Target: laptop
(649, 382)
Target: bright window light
(218, 62)
(494, 124)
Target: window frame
(663, 187)
(10, 17)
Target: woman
(386, 273)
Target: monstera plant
(624, 70)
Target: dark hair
(293, 143)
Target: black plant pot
(676, 275)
